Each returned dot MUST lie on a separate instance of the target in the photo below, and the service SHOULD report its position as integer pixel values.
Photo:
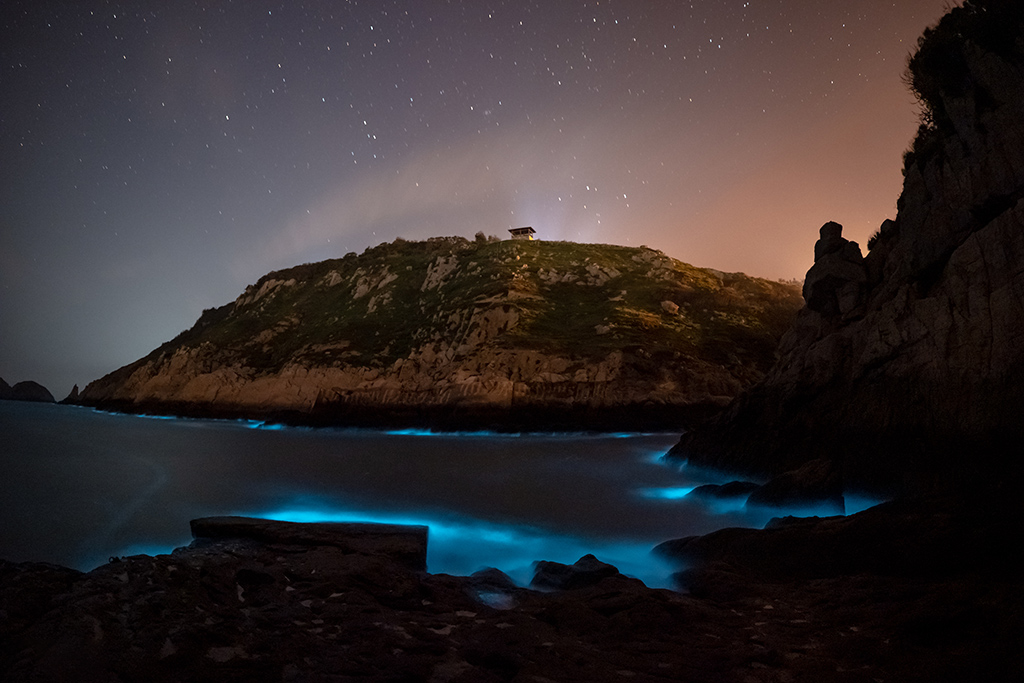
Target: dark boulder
(914, 537)
(404, 544)
(587, 571)
(814, 484)
(733, 489)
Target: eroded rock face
(906, 367)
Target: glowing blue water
(672, 493)
(78, 486)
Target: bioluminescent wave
(461, 546)
(671, 493)
(79, 486)
(753, 516)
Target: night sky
(155, 158)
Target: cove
(79, 486)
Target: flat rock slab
(404, 544)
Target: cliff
(454, 333)
(905, 369)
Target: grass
(612, 289)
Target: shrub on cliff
(939, 69)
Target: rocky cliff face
(448, 332)
(906, 366)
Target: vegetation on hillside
(938, 70)
(580, 300)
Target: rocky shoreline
(903, 373)
(533, 419)
(257, 600)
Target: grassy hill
(581, 299)
(521, 319)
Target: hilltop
(455, 333)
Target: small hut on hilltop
(526, 233)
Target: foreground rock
(403, 544)
(905, 369)
(936, 575)
(454, 334)
(269, 601)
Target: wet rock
(816, 483)
(404, 544)
(587, 571)
(732, 489)
(239, 609)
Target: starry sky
(155, 158)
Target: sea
(80, 486)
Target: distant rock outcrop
(905, 369)
(25, 391)
(72, 396)
(450, 333)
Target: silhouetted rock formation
(905, 369)
(72, 397)
(587, 571)
(25, 391)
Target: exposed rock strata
(454, 333)
(906, 366)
